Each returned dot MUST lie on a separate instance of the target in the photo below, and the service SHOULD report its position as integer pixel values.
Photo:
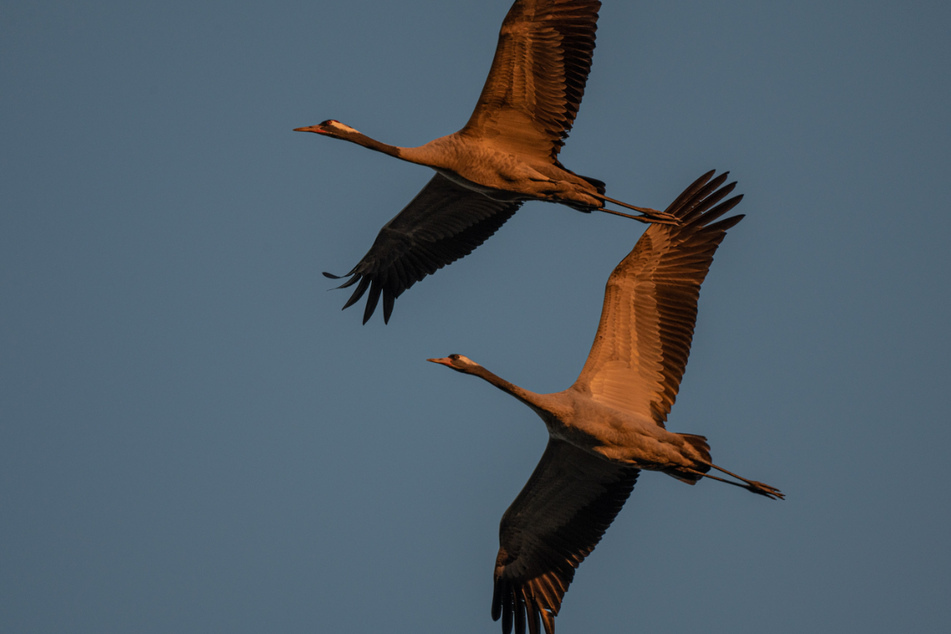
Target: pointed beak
(443, 361)
(310, 128)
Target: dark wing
(538, 75)
(650, 305)
(555, 522)
(443, 223)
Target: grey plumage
(506, 153)
(610, 423)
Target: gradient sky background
(195, 438)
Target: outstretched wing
(555, 522)
(443, 223)
(538, 75)
(650, 305)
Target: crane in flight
(610, 424)
(506, 154)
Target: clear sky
(195, 438)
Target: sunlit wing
(650, 305)
(538, 75)
(558, 518)
(443, 223)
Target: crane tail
(703, 463)
(701, 446)
(598, 185)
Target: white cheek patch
(342, 126)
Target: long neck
(361, 139)
(528, 397)
(433, 154)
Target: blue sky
(194, 437)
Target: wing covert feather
(650, 305)
(538, 75)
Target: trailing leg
(751, 485)
(649, 215)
